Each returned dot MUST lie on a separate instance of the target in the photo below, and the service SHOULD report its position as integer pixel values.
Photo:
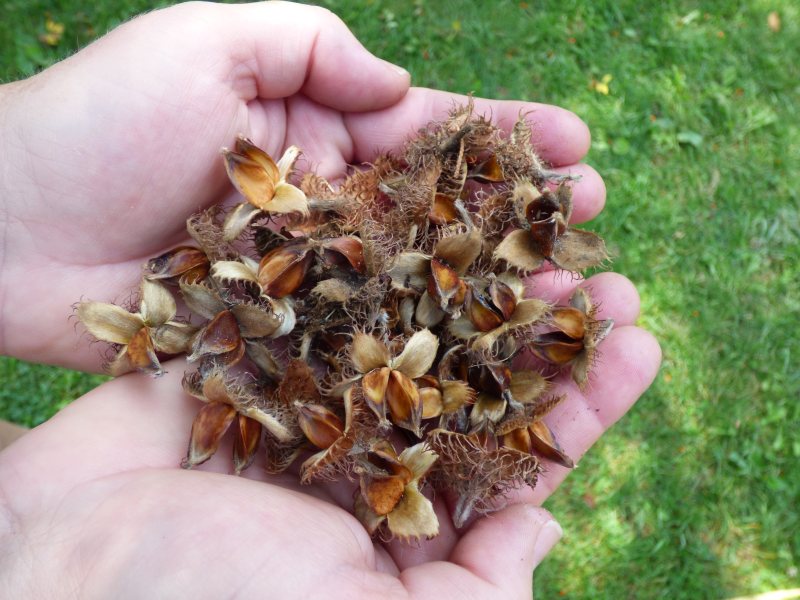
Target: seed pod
(489, 171)
(482, 314)
(141, 352)
(570, 320)
(374, 385)
(503, 298)
(209, 426)
(283, 270)
(262, 182)
(544, 443)
(403, 401)
(443, 211)
(546, 224)
(348, 247)
(189, 263)
(444, 283)
(321, 426)
(518, 439)
(383, 479)
(430, 395)
(556, 348)
(245, 445)
(220, 338)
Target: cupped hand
(92, 503)
(107, 153)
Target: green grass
(695, 493)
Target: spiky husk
(480, 477)
(378, 306)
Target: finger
(522, 532)
(628, 362)
(615, 296)
(588, 192)
(499, 551)
(559, 135)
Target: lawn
(694, 112)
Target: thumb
(505, 547)
(278, 49)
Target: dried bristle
(206, 229)
(480, 477)
(518, 158)
(365, 306)
(298, 385)
(280, 456)
(528, 415)
(496, 213)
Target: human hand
(106, 153)
(92, 504)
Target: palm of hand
(132, 521)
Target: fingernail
(397, 69)
(549, 534)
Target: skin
(104, 155)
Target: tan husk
(394, 495)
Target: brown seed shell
(503, 298)
(570, 320)
(245, 445)
(142, 354)
(518, 439)
(179, 261)
(481, 313)
(556, 348)
(250, 177)
(349, 247)
(443, 283)
(209, 426)
(374, 386)
(544, 443)
(403, 401)
(321, 426)
(443, 210)
(489, 171)
(219, 337)
(282, 271)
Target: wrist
(11, 176)
(5, 167)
